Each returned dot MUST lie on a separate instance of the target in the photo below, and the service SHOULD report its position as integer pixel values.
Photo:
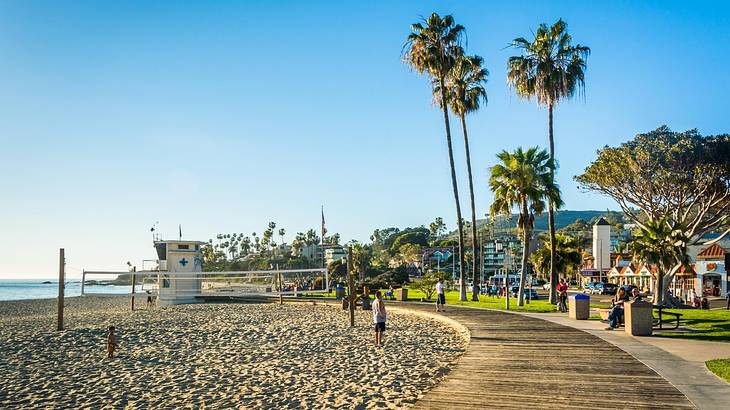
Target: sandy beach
(217, 355)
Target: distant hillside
(563, 218)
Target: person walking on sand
(111, 343)
(440, 297)
(379, 317)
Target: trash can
(579, 307)
(638, 318)
(366, 303)
(401, 294)
(339, 292)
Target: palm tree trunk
(462, 282)
(551, 216)
(525, 250)
(475, 240)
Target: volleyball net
(283, 282)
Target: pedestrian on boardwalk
(379, 317)
(440, 297)
(562, 289)
(727, 297)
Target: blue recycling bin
(339, 292)
(579, 307)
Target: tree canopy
(680, 177)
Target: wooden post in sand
(281, 285)
(351, 287)
(134, 284)
(61, 278)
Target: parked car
(609, 289)
(589, 288)
(546, 286)
(601, 288)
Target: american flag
(324, 230)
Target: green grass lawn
(720, 367)
(711, 325)
(452, 298)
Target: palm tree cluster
(434, 47)
(549, 69)
(568, 255)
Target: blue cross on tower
(183, 262)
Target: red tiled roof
(713, 252)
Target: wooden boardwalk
(514, 361)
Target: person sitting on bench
(617, 312)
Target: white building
(602, 245)
(333, 254)
(178, 261)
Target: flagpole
(324, 231)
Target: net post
(281, 285)
(61, 278)
(351, 286)
(134, 284)
(83, 281)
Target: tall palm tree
(432, 48)
(465, 92)
(549, 69)
(522, 179)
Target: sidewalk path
(679, 361)
(519, 361)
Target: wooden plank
(515, 361)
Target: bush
(427, 284)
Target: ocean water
(19, 289)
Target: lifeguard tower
(179, 266)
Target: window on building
(186, 246)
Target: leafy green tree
(360, 259)
(680, 179)
(410, 253)
(465, 93)
(432, 48)
(311, 237)
(417, 236)
(437, 228)
(332, 239)
(522, 180)
(549, 69)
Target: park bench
(604, 316)
(389, 295)
(660, 321)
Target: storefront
(711, 277)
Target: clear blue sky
(223, 116)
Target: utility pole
(351, 287)
(507, 290)
(61, 285)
